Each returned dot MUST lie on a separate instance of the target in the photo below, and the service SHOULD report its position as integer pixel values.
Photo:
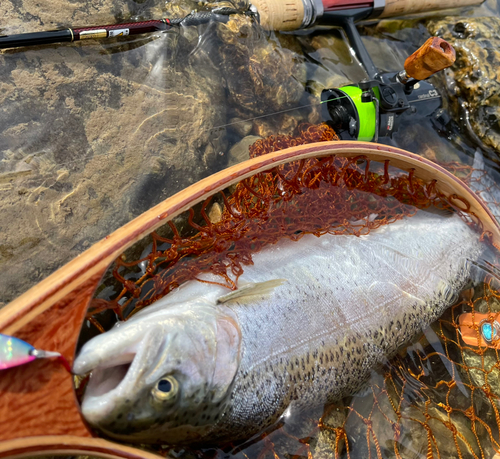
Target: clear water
(91, 135)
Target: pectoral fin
(251, 290)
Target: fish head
(161, 377)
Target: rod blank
(82, 33)
(37, 38)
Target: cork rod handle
(403, 7)
(282, 15)
(287, 15)
(434, 55)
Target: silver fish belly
(204, 366)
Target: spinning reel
(373, 108)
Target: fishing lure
(481, 330)
(15, 352)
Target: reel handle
(434, 55)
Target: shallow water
(94, 134)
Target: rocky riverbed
(93, 134)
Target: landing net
(439, 399)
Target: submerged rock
(476, 74)
(93, 134)
(261, 75)
(239, 152)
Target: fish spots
(262, 390)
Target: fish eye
(165, 389)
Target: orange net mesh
(433, 398)
(344, 196)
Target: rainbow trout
(309, 322)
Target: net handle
(50, 315)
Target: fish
(308, 323)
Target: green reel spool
(350, 117)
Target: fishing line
(276, 113)
(81, 160)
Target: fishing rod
(289, 15)
(272, 14)
(116, 30)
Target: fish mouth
(107, 378)
(110, 383)
(116, 368)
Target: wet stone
(95, 134)
(284, 123)
(261, 76)
(330, 437)
(240, 151)
(215, 213)
(475, 74)
(240, 126)
(483, 369)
